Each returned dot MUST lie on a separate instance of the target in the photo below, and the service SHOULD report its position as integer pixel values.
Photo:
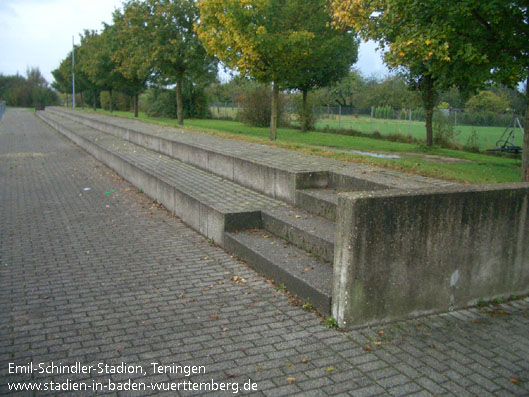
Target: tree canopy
(444, 43)
(279, 41)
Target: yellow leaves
(447, 58)
(427, 42)
(401, 54)
(261, 30)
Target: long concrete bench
(273, 171)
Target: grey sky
(39, 33)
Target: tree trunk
(428, 99)
(111, 105)
(136, 105)
(273, 121)
(304, 111)
(525, 149)
(95, 101)
(179, 100)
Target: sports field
(486, 136)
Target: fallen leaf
(298, 216)
(213, 317)
(377, 343)
(367, 348)
(381, 332)
(230, 374)
(303, 361)
(291, 380)
(329, 369)
(515, 380)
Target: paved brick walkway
(103, 277)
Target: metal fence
(2, 108)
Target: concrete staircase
(273, 208)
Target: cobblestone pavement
(92, 272)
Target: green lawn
(417, 159)
(487, 136)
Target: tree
(478, 41)
(327, 56)
(433, 55)
(488, 101)
(269, 41)
(97, 50)
(131, 55)
(499, 29)
(176, 52)
(63, 75)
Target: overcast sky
(38, 33)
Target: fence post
(409, 125)
(455, 123)
(372, 111)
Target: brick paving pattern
(105, 276)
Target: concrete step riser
(260, 263)
(351, 184)
(300, 238)
(316, 205)
(204, 219)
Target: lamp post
(73, 73)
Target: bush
(257, 107)
(120, 101)
(161, 102)
(443, 132)
(310, 116)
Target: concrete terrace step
(320, 202)
(307, 231)
(304, 274)
(206, 202)
(275, 172)
(217, 208)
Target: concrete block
(197, 157)
(166, 147)
(221, 165)
(285, 186)
(180, 152)
(401, 254)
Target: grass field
(487, 136)
(435, 162)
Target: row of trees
(164, 42)
(29, 91)
(149, 42)
(302, 45)
(442, 44)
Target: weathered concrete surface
(400, 254)
(206, 202)
(275, 172)
(89, 277)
